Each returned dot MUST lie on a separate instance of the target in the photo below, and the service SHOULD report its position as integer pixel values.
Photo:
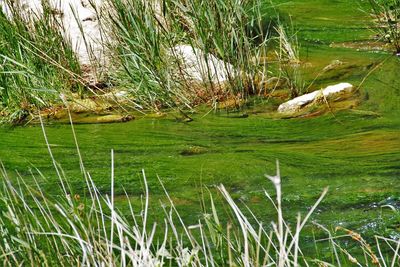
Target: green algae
(356, 156)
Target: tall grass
(36, 61)
(71, 230)
(227, 42)
(386, 14)
(148, 33)
(288, 56)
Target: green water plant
(73, 230)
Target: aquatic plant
(386, 14)
(76, 230)
(70, 229)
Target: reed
(147, 34)
(37, 63)
(386, 15)
(227, 41)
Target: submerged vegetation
(70, 230)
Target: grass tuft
(386, 15)
(36, 61)
(148, 35)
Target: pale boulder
(202, 67)
(329, 92)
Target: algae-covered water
(355, 152)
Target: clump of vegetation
(227, 41)
(146, 34)
(386, 15)
(288, 56)
(36, 61)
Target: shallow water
(355, 152)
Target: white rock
(203, 67)
(121, 94)
(329, 92)
(115, 95)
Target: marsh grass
(288, 56)
(146, 34)
(386, 15)
(229, 40)
(36, 61)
